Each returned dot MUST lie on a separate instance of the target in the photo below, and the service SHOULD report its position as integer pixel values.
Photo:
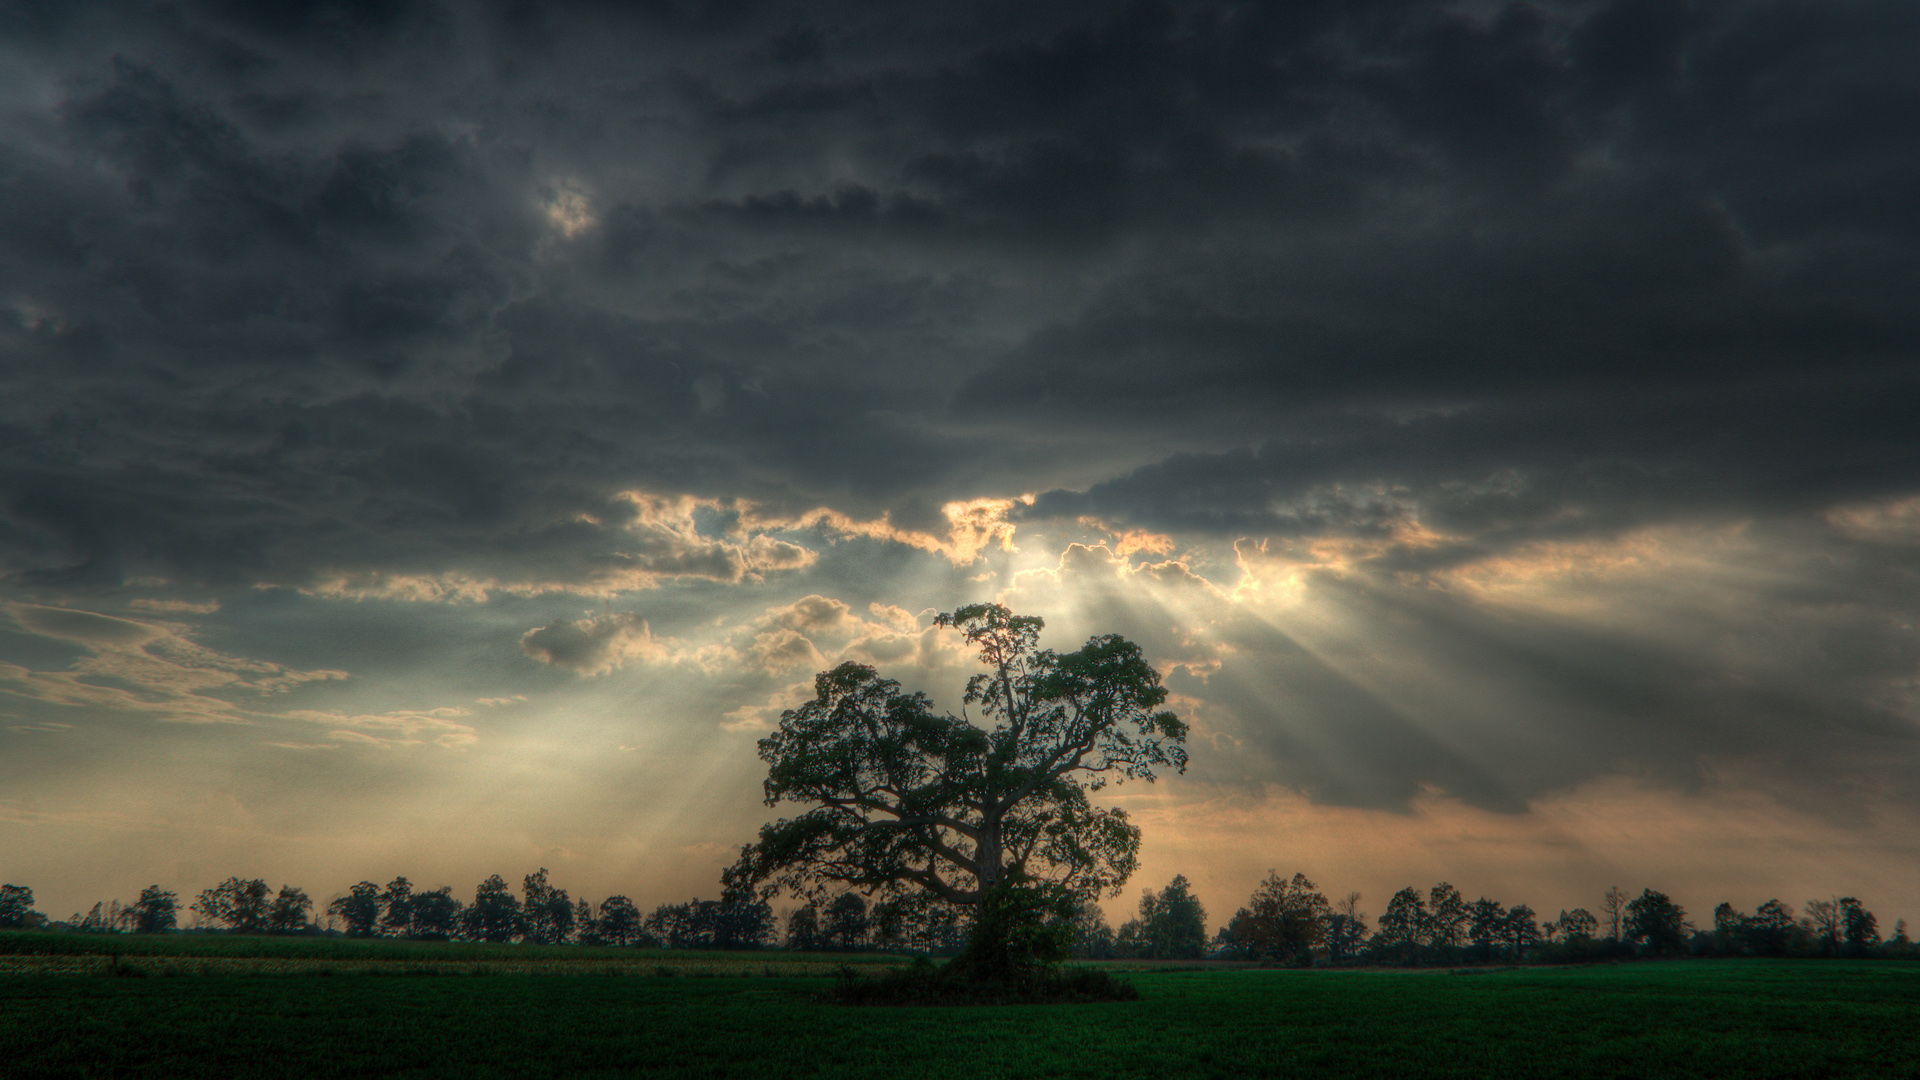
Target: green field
(473, 1015)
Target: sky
(440, 439)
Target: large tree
(916, 805)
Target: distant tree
(1862, 930)
(1613, 906)
(156, 912)
(1446, 918)
(1346, 929)
(1403, 929)
(1770, 930)
(1901, 946)
(241, 906)
(845, 925)
(436, 914)
(1729, 928)
(16, 908)
(1092, 937)
(1579, 924)
(1653, 918)
(1284, 920)
(905, 801)
(288, 915)
(359, 910)
(1172, 925)
(619, 922)
(586, 928)
(106, 917)
(738, 920)
(1520, 930)
(803, 929)
(494, 914)
(396, 908)
(547, 914)
(1486, 925)
(1822, 924)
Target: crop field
(718, 1016)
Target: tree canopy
(918, 806)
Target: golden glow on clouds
(1891, 522)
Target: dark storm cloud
(423, 278)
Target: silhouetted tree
(1579, 924)
(738, 920)
(619, 922)
(1172, 925)
(1901, 946)
(1346, 929)
(1822, 924)
(16, 908)
(1093, 939)
(547, 914)
(1403, 927)
(1519, 930)
(1283, 921)
(1613, 906)
(156, 911)
(239, 905)
(1446, 918)
(586, 928)
(1486, 924)
(1770, 930)
(437, 915)
(288, 915)
(803, 929)
(396, 908)
(903, 800)
(494, 914)
(1862, 930)
(1653, 918)
(359, 910)
(845, 926)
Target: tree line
(1291, 922)
(1285, 921)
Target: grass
(1680, 1019)
(29, 952)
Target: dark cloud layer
(336, 287)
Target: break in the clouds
(1476, 406)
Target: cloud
(595, 645)
(150, 669)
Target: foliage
(288, 913)
(396, 908)
(846, 925)
(436, 915)
(156, 912)
(1346, 929)
(1283, 921)
(1403, 929)
(494, 914)
(547, 914)
(1656, 920)
(240, 905)
(618, 923)
(359, 910)
(1172, 925)
(738, 920)
(16, 908)
(905, 803)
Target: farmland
(475, 1011)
